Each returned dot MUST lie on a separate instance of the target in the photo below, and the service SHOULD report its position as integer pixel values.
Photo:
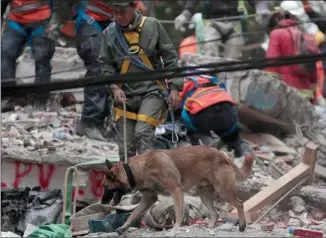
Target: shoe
(108, 135)
(240, 148)
(90, 130)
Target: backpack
(304, 45)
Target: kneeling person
(207, 106)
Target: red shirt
(281, 45)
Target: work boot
(90, 130)
(240, 148)
(108, 135)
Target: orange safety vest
(29, 11)
(99, 10)
(204, 93)
(188, 45)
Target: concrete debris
(25, 133)
(298, 205)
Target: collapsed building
(38, 148)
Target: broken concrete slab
(273, 143)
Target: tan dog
(171, 172)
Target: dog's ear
(109, 165)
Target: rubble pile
(19, 208)
(39, 134)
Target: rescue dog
(171, 172)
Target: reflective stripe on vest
(98, 10)
(140, 117)
(133, 40)
(29, 7)
(81, 15)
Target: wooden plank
(309, 158)
(276, 190)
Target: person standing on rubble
(150, 45)
(287, 39)
(145, 104)
(207, 106)
(92, 17)
(28, 23)
(229, 31)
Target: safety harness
(81, 15)
(191, 93)
(20, 29)
(129, 42)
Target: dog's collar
(130, 176)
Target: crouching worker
(207, 106)
(149, 44)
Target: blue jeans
(12, 44)
(88, 42)
(43, 49)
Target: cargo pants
(43, 49)
(230, 34)
(140, 135)
(88, 41)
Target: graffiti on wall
(46, 173)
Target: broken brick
(268, 226)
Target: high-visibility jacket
(29, 11)
(200, 92)
(99, 10)
(188, 45)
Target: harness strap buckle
(90, 20)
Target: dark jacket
(155, 42)
(215, 8)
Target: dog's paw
(242, 226)
(121, 231)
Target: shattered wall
(270, 96)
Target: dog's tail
(245, 171)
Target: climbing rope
(125, 131)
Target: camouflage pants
(231, 39)
(140, 134)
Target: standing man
(28, 20)
(92, 17)
(146, 39)
(229, 31)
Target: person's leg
(43, 49)
(88, 43)
(152, 105)
(12, 44)
(211, 44)
(234, 43)
(223, 119)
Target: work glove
(180, 20)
